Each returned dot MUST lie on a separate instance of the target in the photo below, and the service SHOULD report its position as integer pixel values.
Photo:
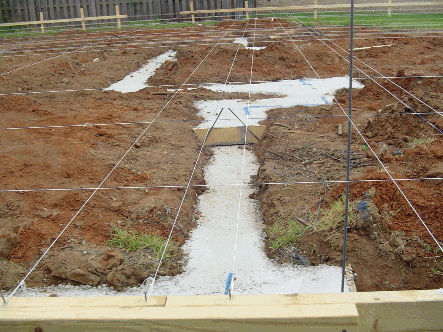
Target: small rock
(398, 242)
(124, 276)
(65, 81)
(397, 152)
(387, 248)
(340, 129)
(95, 266)
(436, 171)
(96, 60)
(115, 206)
(408, 257)
(84, 277)
(112, 259)
(400, 73)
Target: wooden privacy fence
(29, 10)
(314, 7)
(82, 19)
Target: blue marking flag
(228, 283)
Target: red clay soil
(389, 248)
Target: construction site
(192, 174)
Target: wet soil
(389, 248)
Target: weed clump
(284, 233)
(133, 241)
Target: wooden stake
(389, 8)
(191, 6)
(82, 16)
(315, 9)
(42, 26)
(119, 21)
(246, 7)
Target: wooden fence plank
(170, 9)
(25, 10)
(212, 5)
(61, 14)
(77, 8)
(205, 6)
(85, 5)
(105, 8)
(18, 11)
(144, 10)
(97, 8)
(176, 8)
(123, 5)
(64, 4)
(131, 9)
(52, 10)
(150, 10)
(11, 8)
(58, 10)
(157, 10)
(45, 9)
(31, 5)
(92, 10)
(164, 8)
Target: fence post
(389, 8)
(117, 12)
(191, 6)
(82, 15)
(246, 12)
(42, 26)
(315, 9)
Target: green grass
(133, 241)
(333, 216)
(380, 19)
(21, 31)
(421, 141)
(284, 233)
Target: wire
(181, 186)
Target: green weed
(421, 141)
(332, 217)
(132, 240)
(285, 233)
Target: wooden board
(366, 311)
(229, 135)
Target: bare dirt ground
(389, 248)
